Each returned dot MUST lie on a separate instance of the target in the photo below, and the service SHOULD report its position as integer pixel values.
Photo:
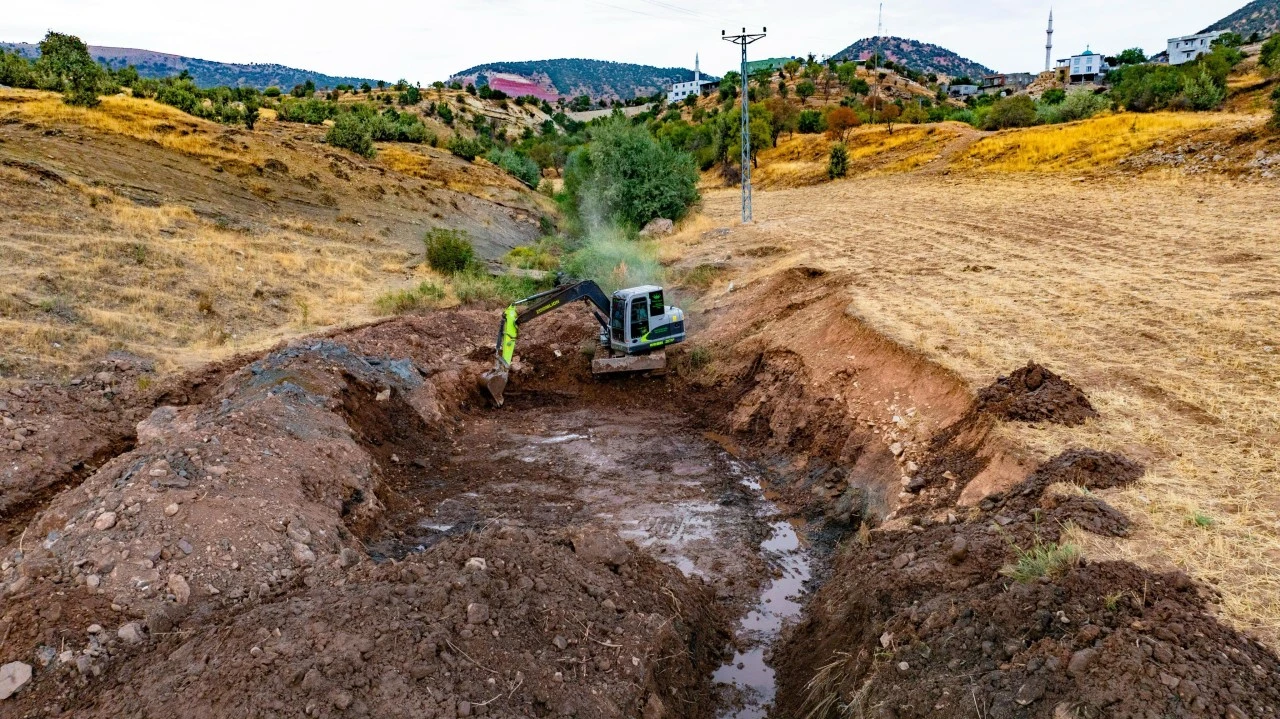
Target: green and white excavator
(636, 327)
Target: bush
(352, 132)
(1054, 96)
(542, 256)
(310, 111)
(448, 251)
(468, 150)
(478, 287)
(1202, 92)
(614, 260)
(272, 91)
(1079, 105)
(1007, 112)
(1270, 55)
(811, 122)
(518, 164)
(838, 165)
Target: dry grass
(1085, 145)
(162, 282)
(801, 160)
(145, 120)
(1157, 296)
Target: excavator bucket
(493, 383)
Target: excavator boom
(494, 382)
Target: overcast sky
(426, 41)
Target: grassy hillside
(916, 55)
(135, 226)
(205, 73)
(600, 79)
(1260, 16)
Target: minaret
(697, 70)
(1048, 48)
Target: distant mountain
(205, 73)
(600, 79)
(916, 55)
(1260, 16)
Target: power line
(744, 40)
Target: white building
(681, 90)
(1088, 66)
(1185, 49)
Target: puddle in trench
(749, 672)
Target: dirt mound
(992, 615)
(505, 623)
(1034, 394)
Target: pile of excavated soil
(506, 623)
(1034, 394)
(937, 624)
(221, 563)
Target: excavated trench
(656, 476)
(821, 527)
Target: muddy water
(749, 672)
(654, 479)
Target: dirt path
(941, 164)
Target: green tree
(626, 176)
(1270, 55)
(1132, 56)
(1229, 39)
(806, 90)
(859, 86)
(1054, 96)
(810, 122)
(791, 68)
(67, 58)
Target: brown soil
(1034, 394)
(296, 534)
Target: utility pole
(744, 40)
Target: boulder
(658, 228)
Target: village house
(1088, 66)
(1185, 49)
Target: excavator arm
(494, 382)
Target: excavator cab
(636, 325)
(640, 322)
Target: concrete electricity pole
(744, 40)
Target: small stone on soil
(13, 676)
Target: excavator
(636, 326)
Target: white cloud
(389, 39)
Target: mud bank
(813, 517)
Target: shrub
(478, 287)
(614, 260)
(1007, 112)
(448, 251)
(272, 91)
(1079, 105)
(1054, 96)
(352, 132)
(468, 150)
(811, 122)
(517, 164)
(542, 256)
(1270, 55)
(310, 111)
(838, 165)
(1202, 91)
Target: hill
(570, 77)
(916, 55)
(1260, 16)
(205, 73)
(176, 238)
